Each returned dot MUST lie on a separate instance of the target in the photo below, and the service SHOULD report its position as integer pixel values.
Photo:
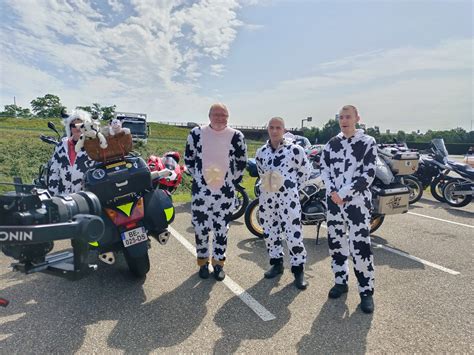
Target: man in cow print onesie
(348, 170)
(282, 166)
(216, 157)
(68, 167)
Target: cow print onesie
(66, 178)
(285, 168)
(216, 161)
(348, 167)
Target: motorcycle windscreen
(383, 172)
(440, 148)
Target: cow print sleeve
(54, 177)
(361, 183)
(240, 156)
(304, 169)
(190, 152)
(326, 170)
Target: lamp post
(309, 119)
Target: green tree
(47, 106)
(15, 111)
(108, 112)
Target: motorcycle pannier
(111, 181)
(404, 163)
(391, 200)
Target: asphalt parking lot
(423, 298)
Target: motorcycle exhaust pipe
(163, 237)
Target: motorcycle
(433, 169)
(132, 209)
(389, 196)
(170, 161)
(412, 182)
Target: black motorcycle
(433, 169)
(389, 196)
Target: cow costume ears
(75, 115)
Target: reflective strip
(169, 213)
(94, 244)
(127, 208)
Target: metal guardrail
(192, 124)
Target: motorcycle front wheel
(415, 187)
(251, 219)
(241, 202)
(449, 194)
(138, 266)
(437, 186)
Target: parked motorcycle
(389, 196)
(386, 151)
(458, 192)
(433, 169)
(170, 161)
(132, 208)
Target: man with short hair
(283, 167)
(216, 157)
(348, 169)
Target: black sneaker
(337, 290)
(274, 271)
(219, 273)
(367, 303)
(204, 271)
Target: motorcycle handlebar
(48, 139)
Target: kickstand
(317, 233)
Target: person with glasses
(68, 167)
(216, 157)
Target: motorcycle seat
(463, 169)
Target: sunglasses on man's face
(73, 125)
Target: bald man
(348, 169)
(216, 157)
(283, 167)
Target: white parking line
(442, 220)
(406, 255)
(425, 262)
(259, 310)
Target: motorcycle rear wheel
(376, 222)
(253, 225)
(450, 197)
(138, 266)
(415, 187)
(251, 219)
(241, 202)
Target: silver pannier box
(391, 200)
(403, 163)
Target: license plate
(134, 236)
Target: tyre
(375, 222)
(241, 202)
(251, 219)
(450, 196)
(138, 266)
(416, 189)
(436, 187)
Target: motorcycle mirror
(53, 127)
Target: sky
(406, 65)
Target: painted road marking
(253, 304)
(442, 220)
(406, 255)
